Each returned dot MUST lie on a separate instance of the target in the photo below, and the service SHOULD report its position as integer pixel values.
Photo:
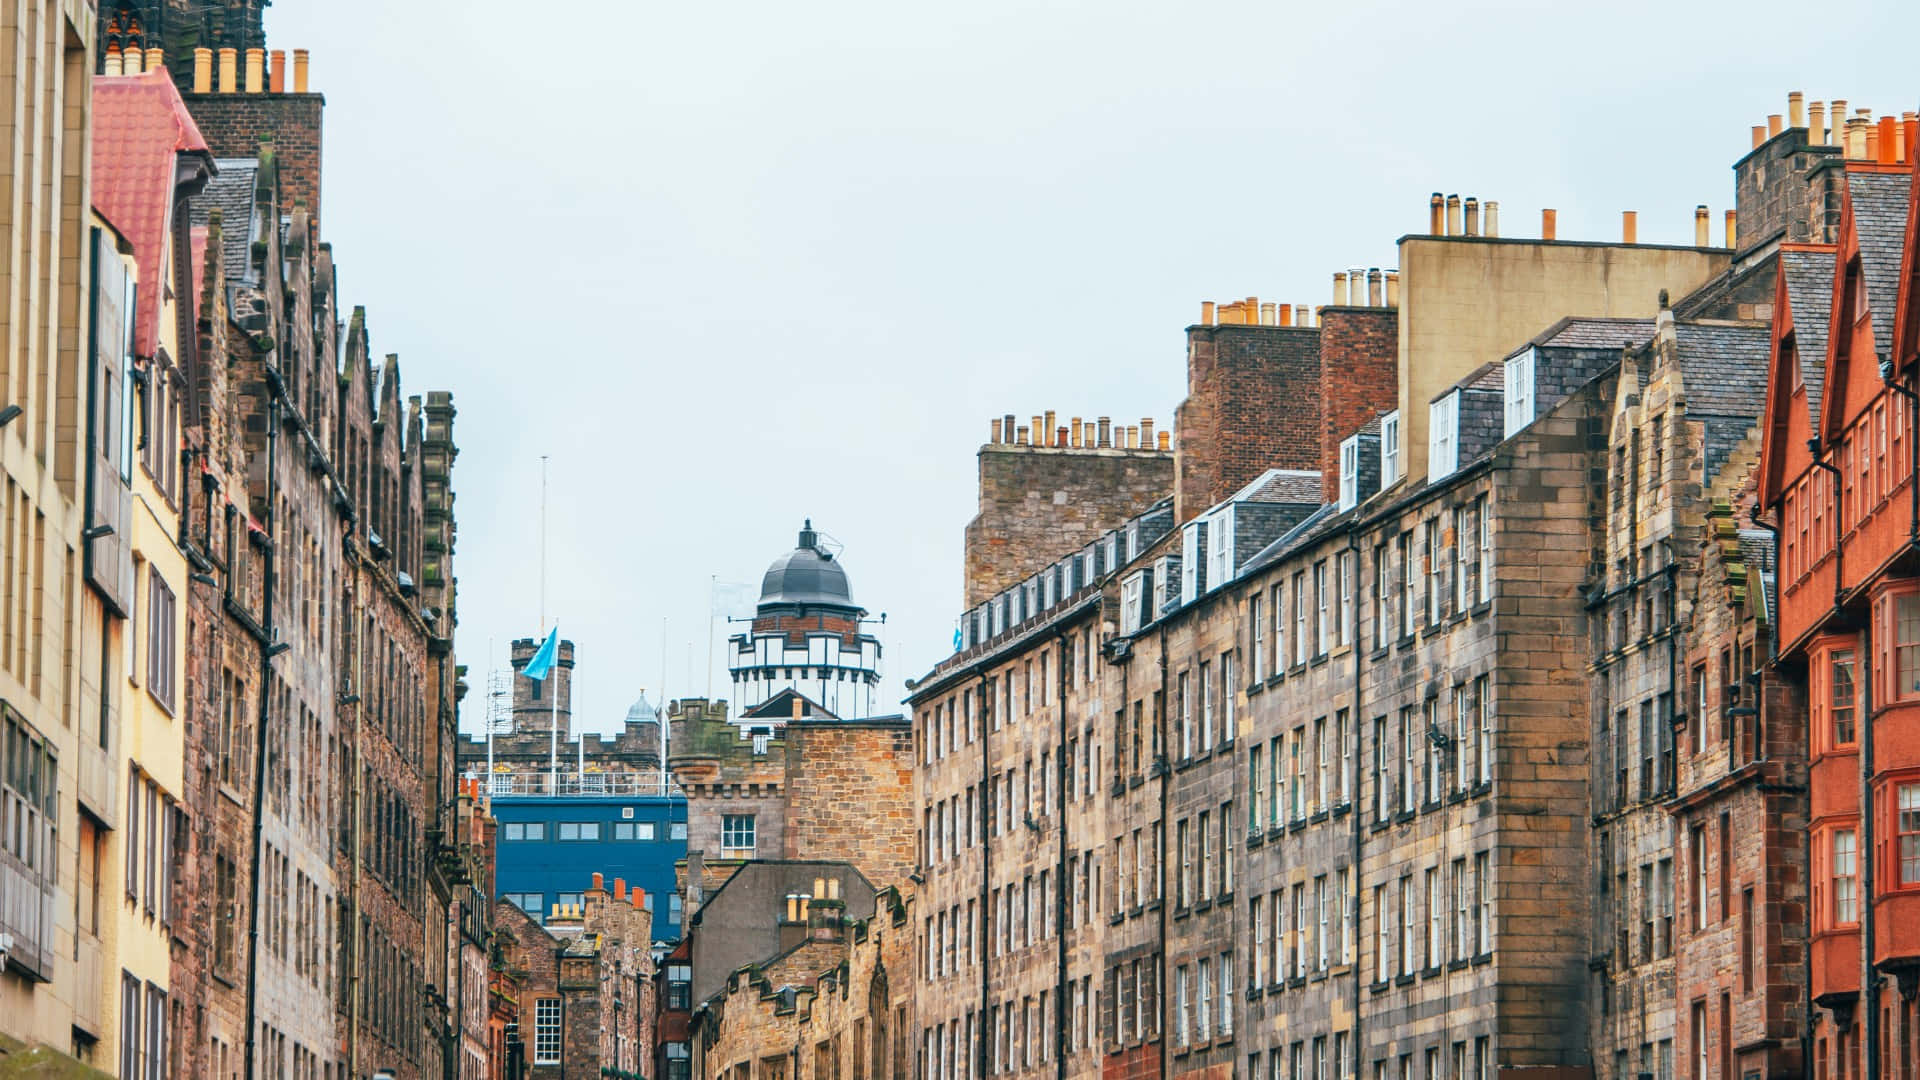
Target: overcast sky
(731, 265)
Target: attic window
(1133, 598)
(1443, 443)
(1519, 393)
(1390, 449)
(1350, 473)
(1220, 550)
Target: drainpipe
(1061, 885)
(1160, 860)
(1869, 1009)
(260, 736)
(1353, 810)
(356, 795)
(988, 816)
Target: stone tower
(539, 704)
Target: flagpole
(713, 581)
(553, 728)
(489, 718)
(579, 737)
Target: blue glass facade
(550, 848)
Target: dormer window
(1220, 550)
(1134, 594)
(1519, 393)
(1390, 449)
(1350, 473)
(1443, 441)
(1193, 547)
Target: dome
(643, 711)
(808, 575)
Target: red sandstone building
(1839, 471)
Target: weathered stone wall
(849, 795)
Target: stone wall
(849, 795)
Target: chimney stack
(1548, 222)
(1473, 216)
(1436, 217)
(256, 60)
(1732, 232)
(1453, 215)
(1817, 124)
(1490, 213)
(299, 71)
(229, 59)
(1700, 227)
(1629, 227)
(203, 71)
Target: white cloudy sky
(734, 264)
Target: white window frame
(1518, 398)
(1218, 537)
(1389, 449)
(1443, 436)
(546, 1031)
(1132, 594)
(1350, 473)
(730, 835)
(1193, 539)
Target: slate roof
(231, 191)
(1809, 279)
(1283, 486)
(1756, 549)
(1725, 365)
(1289, 539)
(1591, 332)
(1880, 222)
(1488, 376)
(139, 126)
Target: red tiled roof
(139, 125)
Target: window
(1409, 916)
(1382, 585)
(633, 830)
(1483, 885)
(736, 836)
(1322, 628)
(1906, 641)
(162, 618)
(1389, 449)
(1259, 927)
(1382, 954)
(1182, 1020)
(1301, 644)
(1350, 473)
(1253, 789)
(579, 830)
(1203, 1016)
(546, 1031)
(1409, 586)
(1343, 626)
(1442, 445)
(1256, 639)
(1345, 746)
(1229, 723)
(1908, 831)
(1225, 1015)
(1519, 393)
(1843, 870)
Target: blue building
(551, 846)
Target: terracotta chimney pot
(1453, 215)
(1759, 135)
(299, 71)
(229, 70)
(995, 437)
(1732, 230)
(1700, 227)
(113, 64)
(203, 71)
(1374, 297)
(1775, 125)
(1106, 433)
(1796, 109)
(1548, 224)
(1817, 124)
(1393, 288)
(1490, 218)
(1047, 428)
(1340, 289)
(277, 71)
(1473, 216)
(156, 59)
(256, 64)
(1889, 140)
(1436, 216)
(1166, 441)
(1629, 227)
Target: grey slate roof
(1591, 332)
(1287, 486)
(1880, 221)
(1288, 540)
(1725, 368)
(231, 191)
(1725, 365)
(1756, 549)
(1809, 280)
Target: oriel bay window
(1897, 633)
(1836, 897)
(1834, 696)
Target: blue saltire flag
(542, 661)
(958, 639)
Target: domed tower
(806, 654)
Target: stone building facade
(583, 986)
(830, 1006)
